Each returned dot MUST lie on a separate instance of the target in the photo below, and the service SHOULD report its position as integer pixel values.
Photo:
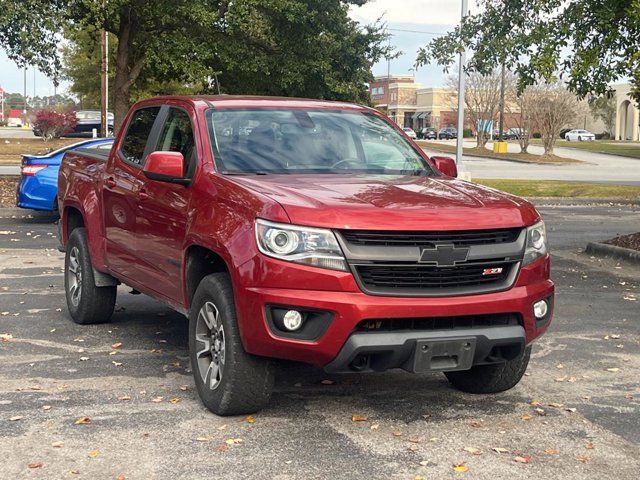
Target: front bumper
(282, 283)
(439, 350)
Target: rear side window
(135, 140)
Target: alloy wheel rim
(210, 345)
(74, 277)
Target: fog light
(292, 320)
(540, 309)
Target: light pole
(461, 82)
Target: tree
(52, 124)
(521, 106)
(604, 108)
(287, 47)
(553, 108)
(482, 101)
(592, 43)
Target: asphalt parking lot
(117, 400)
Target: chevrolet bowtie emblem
(444, 255)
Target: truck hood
(391, 202)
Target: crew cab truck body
(309, 231)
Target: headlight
(536, 245)
(316, 247)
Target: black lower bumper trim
(437, 350)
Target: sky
(425, 19)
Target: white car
(579, 136)
(14, 122)
(410, 132)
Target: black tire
(92, 304)
(579, 139)
(491, 378)
(245, 381)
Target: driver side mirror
(165, 167)
(446, 166)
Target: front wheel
(579, 139)
(491, 378)
(229, 380)
(87, 303)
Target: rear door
(163, 207)
(121, 191)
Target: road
(12, 132)
(597, 167)
(570, 417)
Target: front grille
(438, 323)
(425, 239)
(376, 277)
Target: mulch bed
(631, 241)
(8, 187)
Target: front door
(163, 209)
(123, 180)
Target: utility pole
(104, 81)
(461, 85)
(500, 137)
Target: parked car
(410, 133)
(324, 236)
(579, 136)
(14, 122)
(38, 186)
(448, 133)
(428, 133)
(515, 133)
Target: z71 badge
(492, 271)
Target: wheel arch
(200, 261)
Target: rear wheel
(491, 378)
(87, 303)
(229, 380)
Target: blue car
(38, 187)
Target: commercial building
(627, 114)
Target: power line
(415, 31)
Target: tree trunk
(548, 142)
(125, 75)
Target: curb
(606, 250)
(581, 201)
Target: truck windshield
(265, 140)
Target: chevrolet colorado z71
(303, 230)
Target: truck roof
(255, 101)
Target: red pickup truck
(304, 230)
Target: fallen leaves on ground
(203, 439)
(82, 421)
(58, 444)
(500, 450)
(93, 453)
(250, 419)
(174, 400)
(460, 468)
(473, 450)
(589, 446)
(358, 418)
(327, 382)
(15, 418)
(582, 459)
(35, 465)
(520, 459)
(116, 345)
